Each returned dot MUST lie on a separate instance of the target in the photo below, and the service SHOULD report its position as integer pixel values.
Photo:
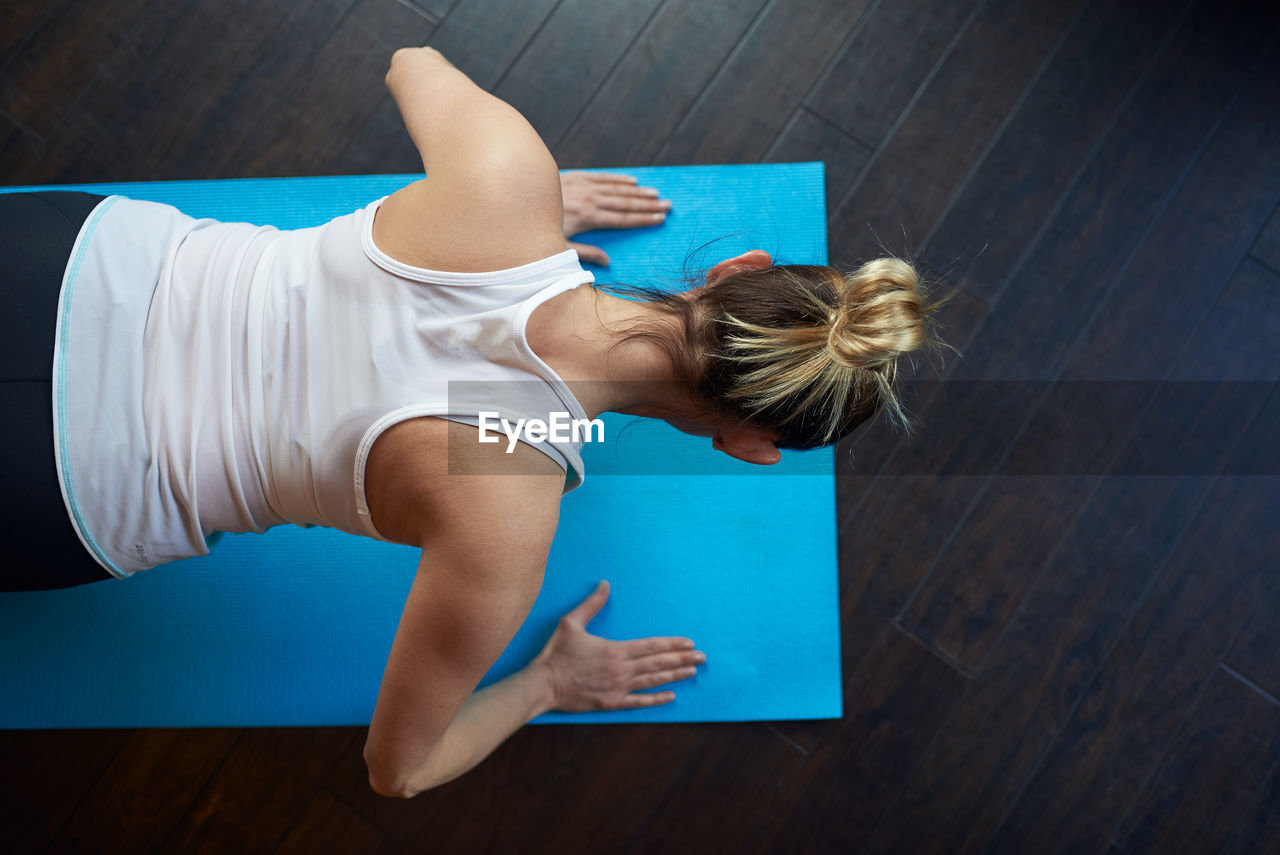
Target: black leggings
(41, 550)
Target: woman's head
(805, 352)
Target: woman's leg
(37, 232)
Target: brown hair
(806, 350)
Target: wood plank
(19, 21)
(433, 9)
(323, 99)
(971, 592)
(1021, 181)
(758, 87)
(738, 764)
(895, 698)
(146, 789)
(17, 145)
(1241, 337)
(164, 102)
(381, 145)
(28, 158)
(1118, 731)
(161, 107)
(993, 561)
(60, 55)
(968, 599)
(1047, 652)
(1205, 785)
(810, 137)
(611, 786)
(1241, 33)
(1032, 679)
(950, 125)
(1203, 235)
(474, 813)
(1266, 248)
(990, 747)
(207, 73)
(1112, 204)
(563, 65)
(327, 825)
(483, 37)
(1254, 652)
(1001, 727)
(45, 775)
(665, 69)
(262, 786)
(882, 64)
(1055, 643)
(921, 494)
(1259, 829)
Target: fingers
(615, 201)
(685, 662)
(627, 199)
(590, 254)
(609, 177)
(653, 699)
(641, 647)
(663, 671)
(658, 678)
(673, 662)
(591, 606)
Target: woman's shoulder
(427, 226)
(480, 208)
(424, 471)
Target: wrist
(541, 686)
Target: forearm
(485, 721)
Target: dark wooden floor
(1060, 603)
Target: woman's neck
(586, 345)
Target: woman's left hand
(586, 672)
(606, 200)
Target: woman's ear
(754, 259)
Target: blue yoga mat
(294, 626)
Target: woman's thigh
(37, 232)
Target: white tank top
(224, 377)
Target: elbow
(397, 60)
(388, 785)
(407, 56)
(383, 788)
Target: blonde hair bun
(880, 316)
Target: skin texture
(494, 199)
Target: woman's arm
(491, 198)
(575, 672)
(485, 540)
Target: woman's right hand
(606, 200)
(586, 672)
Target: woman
(263, 377)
